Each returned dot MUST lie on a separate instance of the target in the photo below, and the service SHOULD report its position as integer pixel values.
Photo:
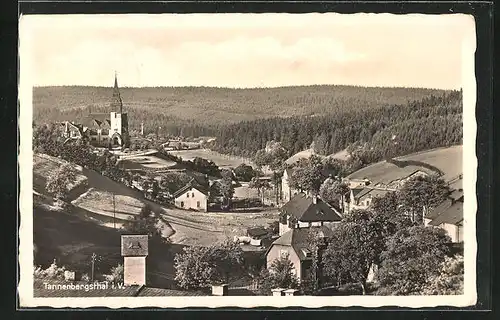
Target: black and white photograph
(247, 160)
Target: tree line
(431, 122)
(199, 111)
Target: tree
(353, 249)
(146, 222)
(117, 274)
(320, 144)
(413, 256)
(308, 175)
(244, 172)
(279, 275)
(59, 183)
(199, 267)
(260, 185)
(391, 218)
(450, 280)
(334, 192)
(422, 193)
(274, 156)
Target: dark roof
(298, 239)
(134, 245)
(303, 209)
(190, 185)
(159, 292)
(256, 232)
(60, 288)
(44, 289)
(454, 214)
(99, 119)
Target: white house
(192, 196)
(287, 191)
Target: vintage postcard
(305, 160)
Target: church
(108, 130)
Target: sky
(247, 50)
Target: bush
(117, 274)
(53, 272)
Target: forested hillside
(377, 132)
(196, 111)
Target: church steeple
(116, 103)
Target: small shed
(257, 233)
(134, 250)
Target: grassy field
(45, 166)
(448, 160)
(147, 162)
(193, 228)
(223, 161)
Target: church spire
(116, 103)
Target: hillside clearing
(448, 160)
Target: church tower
(116, 102)
(119, 135)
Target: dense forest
(198, 111)
(384, 131)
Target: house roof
(192, 184)
(303, 209)
(299, 239)
(368, 191)
(134, 245)
(99, 119)
(160, 292)
(256, 232)
(41, 290)
(454, 214)
(59, 288)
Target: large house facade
(300, 218)
(107, 130)
(193, 196)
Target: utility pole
(94, 256)
(114, 212)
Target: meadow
(221, 160)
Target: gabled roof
(134, 245)
(453, 214)
(192, 184)
(45, 288)
(299, 239)
(302, 208)
(96, 119)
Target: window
(182, 204)
(192, 194)
(187, 195)
(198, 204)
(94, 139)
(283, 253)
